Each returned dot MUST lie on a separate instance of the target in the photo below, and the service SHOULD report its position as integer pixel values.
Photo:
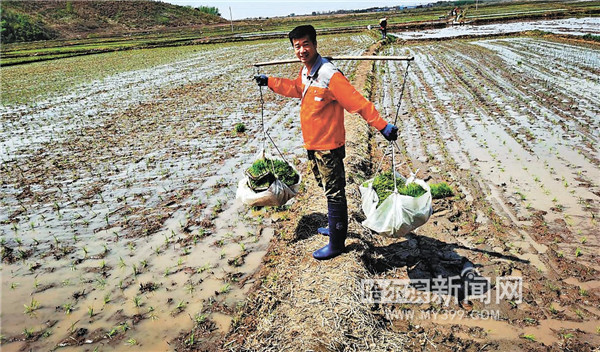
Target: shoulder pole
(333, 58)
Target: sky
(241, 9)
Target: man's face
(305, 50)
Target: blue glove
(262, 80)
(390, 132)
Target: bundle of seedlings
(264, 172)
(383, 184)
(391, 213)
(268, 182)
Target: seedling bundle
(268, 182)
(393, 205)
(264, 172)
(383, 184)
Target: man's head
(304, 41)
(303, 31)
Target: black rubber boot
(338, 228)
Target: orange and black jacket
(325, 93)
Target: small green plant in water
(240, 128)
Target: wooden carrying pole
(393, 58)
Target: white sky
(270, 8)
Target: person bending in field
(324, 94)
(383, 28)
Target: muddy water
(119, 223)
(577, 26)
(514, 127)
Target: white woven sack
(277, 194)
(398, 214)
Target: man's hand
(262, 80)
(390, 132)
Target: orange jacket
(326, 94)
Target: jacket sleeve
(287, 87)
(354, 102)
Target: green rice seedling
(14, 285)
(124, 327)
(68, 308)
(578, 252)
(91, 311)
(112, 332)
(106, 298)
(122, 263)
(137, 301)
(190, 340)
(240, 127)
(28, 333)
(529, 337)
(225, 288)
(200, 318)
(583, 240)
(441, 190)
(203, 268)
(132, 342)
(181, 305)
(31, 307)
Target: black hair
(303, 31)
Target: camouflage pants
(328, 168)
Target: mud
(119, 212)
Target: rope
(402, 91)
(392, 143)
(262, 121)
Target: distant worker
(325, 92)
(383, 28)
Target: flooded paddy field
(513, 123)
(118, 222)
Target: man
(383, 28)
(324, 94)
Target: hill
(39, 20)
